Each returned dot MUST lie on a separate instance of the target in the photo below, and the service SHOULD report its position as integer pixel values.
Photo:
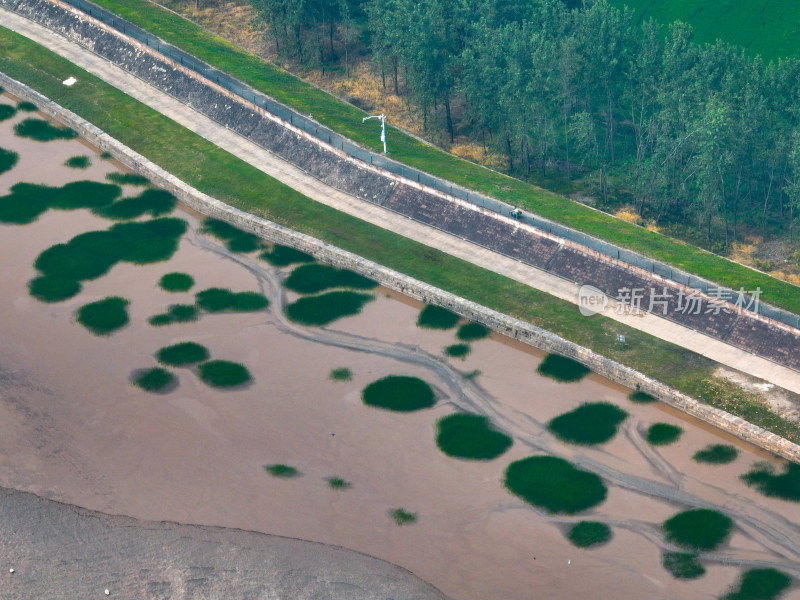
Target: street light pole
(382, 117)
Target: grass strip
(224, 176)
(346, 119)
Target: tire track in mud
(775, 533)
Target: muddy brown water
(73, 429)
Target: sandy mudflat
(73, 429)
(61, 551)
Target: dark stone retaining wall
(504, 324)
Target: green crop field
(766, 27)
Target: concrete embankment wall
(504, 324)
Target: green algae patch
(176, 313)
(337, 483)
(591, 423)
(402, 516)
(216, 300)
(698, 529)
(155, 380)
(282, 471)
(26, 201)
(785, 486)
(471, 437)
(149, 241)
(682, 565)
(53, 289)
(283, 256)
(182, 354)
(8, 159)
(176, 282)
(326, 308)
(126, 178)
(554, 485)
(436, 317)
(760, 584)
(470, 332)
(399, 393)
(224, 374)
(104, 316)
(457, 350)
(662, 434)
(340, 374)
(43, 131)
(91, 254)
(716, 454)
(315, 278)
(7, 111)
(84, 194)
(235, 239)
(639, 397)
(586, 534)
(151, 202)
(562, 369)
(78, 162)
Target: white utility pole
(382, 117)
